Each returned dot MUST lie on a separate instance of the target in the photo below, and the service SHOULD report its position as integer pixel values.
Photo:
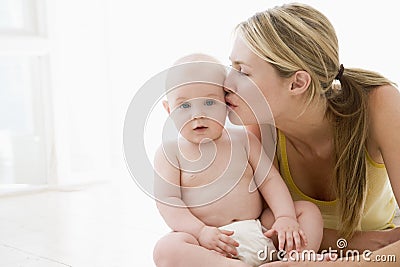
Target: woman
(338, 145)
(327, 116)
(332, 122)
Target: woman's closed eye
(240, 70)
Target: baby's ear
(166, 106)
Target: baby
(211, 182)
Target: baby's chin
(205, 139)
(197, 140)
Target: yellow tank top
(380, 202)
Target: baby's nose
(198, 114)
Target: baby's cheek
(180, 118)
(218, 113)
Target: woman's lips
(230, 104)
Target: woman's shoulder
(383, 93)
(383, 115)
(383, 102)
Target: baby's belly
(238, 204)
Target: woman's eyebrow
(238, 62)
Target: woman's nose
(229, 85)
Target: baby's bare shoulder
(167, 148)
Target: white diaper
(251, 241)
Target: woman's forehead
(242, 54)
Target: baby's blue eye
(209, 102)
(185, 105)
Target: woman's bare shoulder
(383, 95)
(383, 104)
(384, 116)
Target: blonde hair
(297, 37)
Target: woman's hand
(218, 240)
(290, 236)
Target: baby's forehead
(195, 72)
(196, 90)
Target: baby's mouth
(200, 128)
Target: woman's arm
(384, 112)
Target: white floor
(107, 224)
(111, 224)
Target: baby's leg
(181, 249)
(309, 218)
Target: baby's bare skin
(234, 170)
(211, 176)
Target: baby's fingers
(227, 248)
(289, 241)
(297, 240)
(226, 232)
(228, 240)
(281, 240)
(304, 237)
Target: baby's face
(198, 111)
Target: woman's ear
(166, 106)
(301, 81)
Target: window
(23, 75)
(18, 16)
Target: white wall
(103, 51)
(80, 88)
(146, 38)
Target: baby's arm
(276, 194)
(175, 213)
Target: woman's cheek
(254, 108)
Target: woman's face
(255, 91)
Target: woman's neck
(310, 132)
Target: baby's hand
(289, 232)
(215, 239)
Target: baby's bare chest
(216, 164)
